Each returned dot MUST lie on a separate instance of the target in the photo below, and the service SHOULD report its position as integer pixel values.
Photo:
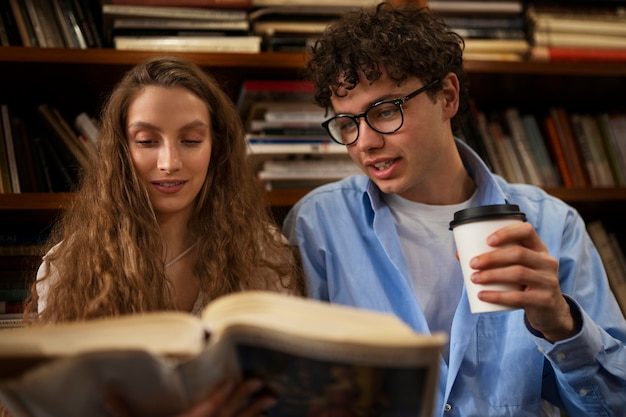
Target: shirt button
(583, 392)
(447, 408)
(561, 356)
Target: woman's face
(169, 136)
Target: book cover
(565, 54)
(37, 25)
(68, 25)
(65, 137)
(578, 40)
(110, 11)
(570, 146)
(476, 6)
(603, 166)
(619, 175)
(538, 145)
(209, 4)
(87, 23)
(617, 125)
(9, 25)
(581, 23)
(24, 156)
(59, 168)
(558, 153)
(512, 46)
(10, 148)
(22, 20)
(239, 44)
(5, 175)
(258, 145)
(485, 21)
(506, 148)
(10, 320)
(160, 25)
(49, 24)
(87, 127)
(584, 145)
(491, 149)
(468, 130)
(307, 352)
(522, 145)
(611, 261)
(44, 180)
(352, 3)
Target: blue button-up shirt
(498, 366)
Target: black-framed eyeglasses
(384, 117)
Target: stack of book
(492, 30)
(286, 141)
(584, 31)
(136, 26)
(290, 27)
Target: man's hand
(520, 258)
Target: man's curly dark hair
(401, 41)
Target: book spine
(24, 24)
(49, 24)
(87, 22)
(210, 4)
(558, 152)
(584, 145)
(570, 147)
(522, 145)
(614, 271)
(57, 129)
(565, 54)
(491, 148)
(10, 149)
(10, 323)
(36, 23)
(539, 147)
(23, 156)
(607, 141)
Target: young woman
(168, 216)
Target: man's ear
(450, 94)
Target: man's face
(410, 161)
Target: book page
(319, 358)
(164, 333)
(78, 386)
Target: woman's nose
(169, 160)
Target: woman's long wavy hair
(109, 249)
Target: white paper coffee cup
(471, 227)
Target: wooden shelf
(279, 60)
(287, 198)
(107, 56)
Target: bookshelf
(77, 80)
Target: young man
(394, 80)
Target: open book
(314, 356)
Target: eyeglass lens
(384, 118)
